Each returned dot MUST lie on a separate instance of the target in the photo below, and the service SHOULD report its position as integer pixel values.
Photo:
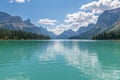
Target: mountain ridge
(8, 21)
(106, 22)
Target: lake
(59, 60)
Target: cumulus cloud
(81, 18)
(101, 5)
(63, 27)
(74, 21)
(58, 29)
(47, 21)
(19, 1)
(87, 14)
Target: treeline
(114, 35)
(18, 34)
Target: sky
(59, 15)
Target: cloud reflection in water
(81, 58)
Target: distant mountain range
(16, 23)
(67, 34)
(108, 21)
(70, 33)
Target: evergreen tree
(18, 34)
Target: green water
(60, 60)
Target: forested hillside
(6, 34)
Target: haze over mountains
(109, 20)
(70, 33)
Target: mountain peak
(4, 16)
(116, 10)
(108, 18)
(28, 22)
(70, 30)
(84, 29)
(16, 19)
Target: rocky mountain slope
(108, 21)
(8, 21)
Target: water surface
(60, 60)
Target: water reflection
(16, 52)
(84, 57)
(17, 78)
(98, 60)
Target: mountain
(106, 22)
(116, 28)
(16, 23)
(72, 34)
(112, 34)
(84, 29)
(67, 34)
(108, 19)
(46, 32)
(28, 22)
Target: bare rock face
(8, 21)
(109, 18)
(106, 22)
(28, 22)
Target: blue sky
(58, 15)
(36, 9)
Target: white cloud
(87, 14)
(74, 21)
(47, 21)
(100, 5)
(62, 27)
(81, 18)
(58, 29)
(19, 1)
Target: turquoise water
(60, 60)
